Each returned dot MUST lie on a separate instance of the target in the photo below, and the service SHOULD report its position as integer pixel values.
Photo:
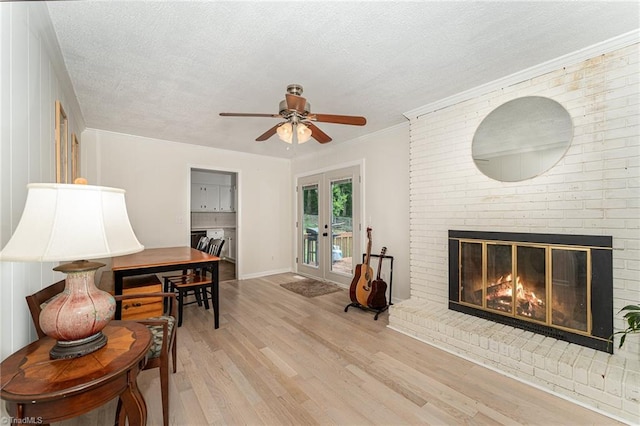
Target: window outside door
(329, 231)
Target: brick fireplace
(555, 285)
(592, 190)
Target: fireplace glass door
(471, 274)
(531, 283)
(569, 284)
(518, 280)
(499, 278)
(555, 285)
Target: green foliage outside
(342, 199)
(342, 204)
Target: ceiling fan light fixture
(295, 111)
(285, 132)
(303, 133)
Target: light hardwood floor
(281, 359)
(227, 270)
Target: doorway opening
(214, 210)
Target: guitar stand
(384, 308)
(365, 308)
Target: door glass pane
(342, 226)
(310, 225)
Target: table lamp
(71, 222)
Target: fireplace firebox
(552, 284)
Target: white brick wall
(594, 189)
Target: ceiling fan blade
(338, 119)
(266, 135)
(318, 134)
(242, 114)
(297, 103)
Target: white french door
(328, 224)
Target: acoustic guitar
(378, 294)
(362, 278)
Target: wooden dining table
(165, 259)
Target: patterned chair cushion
(156, 333)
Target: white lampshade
(303, 133)
(285, 132)
(66, 222)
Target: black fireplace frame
(601, 284)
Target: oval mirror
(522, 138)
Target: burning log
(500, 294)
(500, 297)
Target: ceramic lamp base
(76, 348)
(76, 317)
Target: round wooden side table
(41, 390)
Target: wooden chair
(36, 301)
(215, 247)
(199, 281)
(203, 245)
(162, 328)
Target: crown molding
(578, 56)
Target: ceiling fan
(295, 110)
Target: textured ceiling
(167, 69)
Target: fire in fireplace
(556, 285)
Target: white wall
(386, 191)
(212, 178)
(156, 175)
(32, 78)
